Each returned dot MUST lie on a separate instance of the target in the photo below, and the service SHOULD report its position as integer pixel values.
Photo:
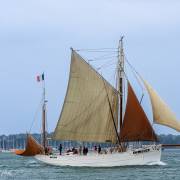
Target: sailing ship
(93, 112)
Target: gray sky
(36, 35)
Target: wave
(159, 163)
(6, 173)
(32, 163)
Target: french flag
(40, 77)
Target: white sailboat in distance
(93, 112)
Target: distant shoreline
(18, 141)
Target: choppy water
(16, 167)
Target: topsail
(161, 112)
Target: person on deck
(99, 149)
(60, 149)
(95, 148)
(80, 150)
(84, 150)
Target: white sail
(86, 114)
(161, 112)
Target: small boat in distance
(93, 112)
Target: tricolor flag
(40, 78)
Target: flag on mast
(40, 77)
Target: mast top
(121, 40)
(121, 55)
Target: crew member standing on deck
(60, 149)
(99, 149)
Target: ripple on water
(158, 163)
(6, 174)
(22, 168)
(32, 163)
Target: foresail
(32, 148)
(136, 126)
(161, 112)
(86, 114)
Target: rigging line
(107, 63)
(112, 115)
(101, 58)
(105, 55)
(112, 76)
(35, 115)
(95, 71)
(141, 98)
(136, 74)
(95, 49)
(89, 51)
(105, 66)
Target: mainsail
(161, 112)
(32, 148)
(136, 126)
(86, 113)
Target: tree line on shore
(18, 141)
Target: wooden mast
(120, 79)
(44, 143)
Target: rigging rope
(137, 76)
(101, 58)
(89, 51)
(105, 65)
(35, 115)
(98, 49)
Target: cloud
(96, 15)
(36, 35)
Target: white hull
(141, 156)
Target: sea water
(17, 167)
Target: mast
(44, 143)
(3, 144)
(120, 76)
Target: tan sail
(32, 148)
(86, 115)
(161, 112)
(136, 126)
